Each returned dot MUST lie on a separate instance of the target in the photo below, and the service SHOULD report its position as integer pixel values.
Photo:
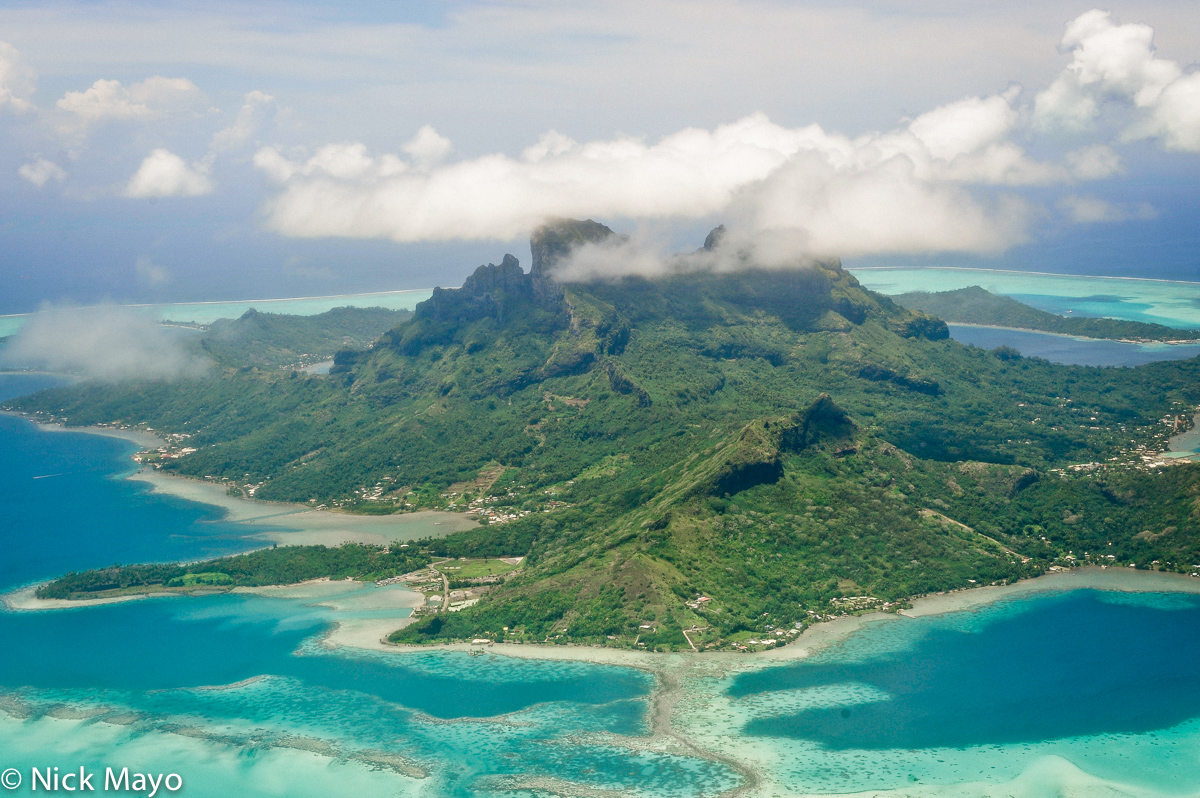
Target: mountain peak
(713, 239)
(557, 238)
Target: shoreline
(812, 640)
(146, 440)
(23, 600)
(1082, 338)
(1112, 578)
(1189, 435)
(672, 713)
(283, 523)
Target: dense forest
(727, 454)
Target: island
(701, 460)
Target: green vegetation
(284, 565)
(271, 340)
(476, 569)
(696, 460)
(974, 305)
(206, 579)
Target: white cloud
(108, 99)
(40, 172)
(1064, 105)
(966, 126)
(428, 147)
(1176, 115)
(524, 67)
(255, 108)
(1093, 210)
(899, 190)
(17, 80)
(551, 143)
(1117, 58)
(108, 343)
(276, 167)
(620, 256)
(1095, 163)
(812, 207)
(348, 161)
(1117, 63)
(165, 174)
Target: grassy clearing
(477, 568)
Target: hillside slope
(273, 340)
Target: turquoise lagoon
(1048, 691)
(1103, 680)
(1169, 302)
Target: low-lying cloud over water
(105, 342)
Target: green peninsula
(699, 460)
(974, 305)
(275, 566)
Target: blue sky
(185, 151)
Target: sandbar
(1114, 578)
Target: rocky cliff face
(498, 291)
(555, 240)
(493, 291)
(582, 322)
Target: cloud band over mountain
(944, 181)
